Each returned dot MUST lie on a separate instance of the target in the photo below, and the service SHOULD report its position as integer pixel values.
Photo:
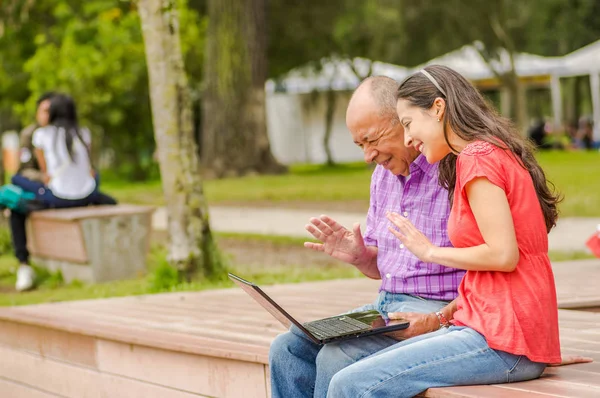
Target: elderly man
(402, 182)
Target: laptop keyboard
(337, 326)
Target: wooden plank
(77, 213)
(268, 380)
(152, 338)
(579, 375)
(572, 287)
(56, 239)
(494, 391)
(208, 376)
(550, 384)
(67, 347)
(73, 381)
(9, 388)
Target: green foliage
(573, 23)
(47, 278)
(5, 240)
(94, 51)
(163, 278)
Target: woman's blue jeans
(449, 357)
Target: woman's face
(43, 113)
(422, 130)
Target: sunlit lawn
(576, 174)
(159, 278)
(302, 183)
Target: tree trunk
(329, 113)
(191, 247)
(235, 140)
(518, 108)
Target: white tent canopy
(586, 61)
(335, 74)
(468, 62)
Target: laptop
(327, 330)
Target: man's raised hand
(337, 241)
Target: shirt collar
(420, 163)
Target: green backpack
(15, 198)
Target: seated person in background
(28, 166)
(584, 139)
(537, 133)
(62, 151)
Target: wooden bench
(185, 345)
(92, 244)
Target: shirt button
(405, 214)
(401, 246)
(388, 276)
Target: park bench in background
(91, 244)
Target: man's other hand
(419, 324)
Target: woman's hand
(411, 237)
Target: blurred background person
(28, 165)
(62, 151)
(584, 138)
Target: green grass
(161, 277)
(302, 183)
(556, 256)
(575, 174)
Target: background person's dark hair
(471, 117)
(46, 96)
(63, 114)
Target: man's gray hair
(383, 90)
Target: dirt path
(262, 253)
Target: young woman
(505, 328)
(62, 152)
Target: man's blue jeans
(448, 357)
(301, 368)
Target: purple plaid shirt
(420, 198)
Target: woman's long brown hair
(471, 118)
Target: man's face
(382, 140)
(42, 115)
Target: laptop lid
(266, 302)
(286, 319)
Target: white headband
(432, 79)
